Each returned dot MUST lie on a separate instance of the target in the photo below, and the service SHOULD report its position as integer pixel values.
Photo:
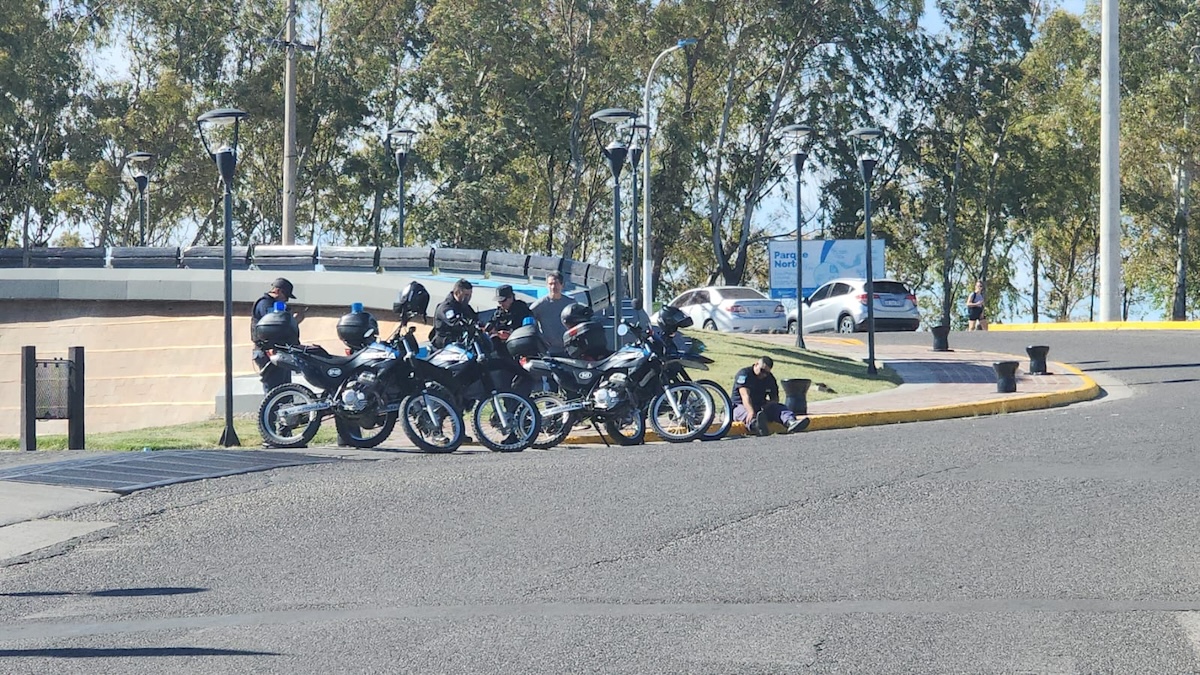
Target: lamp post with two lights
(617, 122)
(141, 177)
(865, 141)
(796, 134)
(401, 140)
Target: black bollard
(941, 338)
(1037, 359)
(796, 391)
(1006, 376)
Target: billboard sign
(822, 260)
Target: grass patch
(845, 377)
(192, 436)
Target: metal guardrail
(472, 262)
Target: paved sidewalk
(959, 383)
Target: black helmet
(414, 299)
(573, 315)
(671, 319)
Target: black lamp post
(641, 137)
(614, 119)
(865, 147)
(797, 133)
(136, 162)
(222, 126)
(401, 144)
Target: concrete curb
(1095, 325)
(1011, 404)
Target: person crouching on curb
(758, 403)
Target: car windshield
(741, 294)
(890, 287)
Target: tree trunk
(1034, 255)
(1182, 186)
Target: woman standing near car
(975, 320)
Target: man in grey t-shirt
(547, 312)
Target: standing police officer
(281, 290)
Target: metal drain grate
(138, 471)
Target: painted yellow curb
(1010, 404)
(1096, 325)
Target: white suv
(841, 305)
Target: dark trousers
(272, 375)
(771, 412)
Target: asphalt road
(1055, 541)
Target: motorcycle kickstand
(601, 433)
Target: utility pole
(289, 129)
(290, 46)
(1110, 172)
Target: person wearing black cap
(510, 312)
(281, 290)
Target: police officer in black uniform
(452, 312)
(281, 290)
(756, 399)
(510, 312)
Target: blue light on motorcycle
(528, 321)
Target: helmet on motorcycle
(573, 315)
(413, 300)
(671, 319)
(587, 340)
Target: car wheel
(791, 327)
(846, 324)
(709, 324)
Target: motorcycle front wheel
(687, 418)
(431, 423)
(722, 411)
(357, 435)
(627, 428)
(506, 422)
(281, 429)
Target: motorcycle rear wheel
(281, 433)
(431, 423)
(555, 428)
(524, 422)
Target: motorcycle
(365, 392)
(481, 381)
(620, 391)
(683, 353)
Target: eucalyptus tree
(1160, 139)
(39, 68)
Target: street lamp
(647, 253)
(222, 126)
(641, 139)
(865, 141)
(614, 120)
(136, 163)
(401, 140)
(797, 133)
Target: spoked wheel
(682, 413)
(846, 324)
(556, 427)
(627, 428)
(506, 422)
(366, 433)
(281, 428)
(431, 423)
(722, 411)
